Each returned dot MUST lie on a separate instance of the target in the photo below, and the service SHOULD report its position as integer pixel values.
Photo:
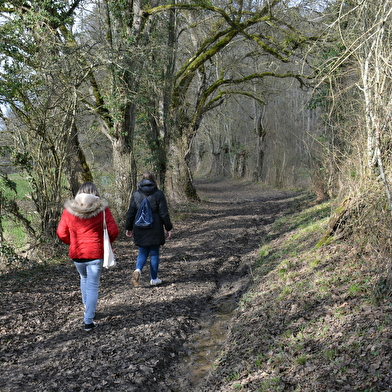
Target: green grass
(301, 228)
(309, 301)
(14, 233)
(22, 187)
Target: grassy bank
(314, 319)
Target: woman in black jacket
(148, 240)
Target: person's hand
(128, 233)
(168, 234)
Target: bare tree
(359, 121)
(40, 78)
(198, 86)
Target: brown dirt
(145, 333)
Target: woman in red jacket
(81, 227)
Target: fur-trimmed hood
(85, 205)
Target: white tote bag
(108, 255)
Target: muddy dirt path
(144, 333)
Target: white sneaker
(155, 282)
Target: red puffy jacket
(81, 227)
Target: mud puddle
(205, 348)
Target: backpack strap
(140, 199)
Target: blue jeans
(144, 252)
(90, 273)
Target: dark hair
(88, 187)
(149, 176)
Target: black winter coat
(156, 234)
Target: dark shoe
(90, 327)
(135, 278)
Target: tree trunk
(77, 169)
(125, 174)
(124, 164)
(260, 144)
(160, 120)
(179, 186)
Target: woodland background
(291, 94)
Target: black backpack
(144, 218)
